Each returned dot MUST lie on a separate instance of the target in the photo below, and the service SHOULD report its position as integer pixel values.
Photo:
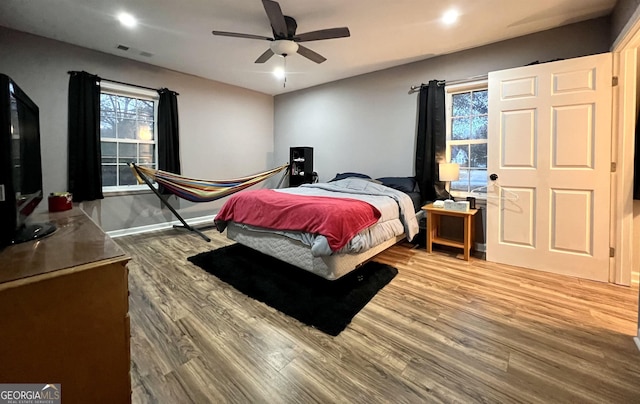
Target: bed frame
(295, 253)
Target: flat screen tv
(20, 166)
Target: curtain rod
(126, 84)
(415, 89)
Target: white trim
(628, 40)
(464, 87)
(159, 226)
(623, 136)
(463, 195)
(479, 85)
(137, 93)
(130, 190)
(480, 247)
(622, 153)
(122, 89)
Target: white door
(550, 145)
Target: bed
(253, 218)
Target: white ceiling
(384, 33)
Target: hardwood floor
(444, 330)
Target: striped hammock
(196, 190)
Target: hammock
(197, 190)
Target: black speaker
(472, 202)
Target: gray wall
(368, 123)
(225, 131)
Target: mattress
(296, 253)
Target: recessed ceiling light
(450, 17)
(278, 72)
(127, 20)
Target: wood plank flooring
(444, 330)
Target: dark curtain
(168, 136)
(636, 162)
(84, 167)
(430, 147)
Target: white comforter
(396, 208)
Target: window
(127, 134)
(467, 121)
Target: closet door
(550, 145)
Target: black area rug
(326, 305)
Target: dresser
(64, 312)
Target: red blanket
(338, 219)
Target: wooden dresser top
(77, 242)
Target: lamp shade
(448, 172)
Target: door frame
(625, 107)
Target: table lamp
(448, 172)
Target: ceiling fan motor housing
(292, 26)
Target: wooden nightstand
(433, 228)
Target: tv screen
(20, 165)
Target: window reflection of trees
(126, 131)
(125, 117)
(469, 131)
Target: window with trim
(127, 134)
(467, 130)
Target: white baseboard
(160, 226)
(480, 247)
(637, 340)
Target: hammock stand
(196, 190)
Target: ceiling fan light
(279, 73)
(284, 47)
(450, 17)
(127, 20)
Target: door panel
(574, 81)
(550, 145)
(520, 217)
(519, 138)
(572, 221)
(572, 136)
(519, 88)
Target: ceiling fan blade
(329, 33)
(265, 56)
(311, 55)
(276, 18)
(238, 35)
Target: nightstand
(433, 228)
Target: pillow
(348, 175)
(404, 184)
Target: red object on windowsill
(60, 201)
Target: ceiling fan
(285, 41)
